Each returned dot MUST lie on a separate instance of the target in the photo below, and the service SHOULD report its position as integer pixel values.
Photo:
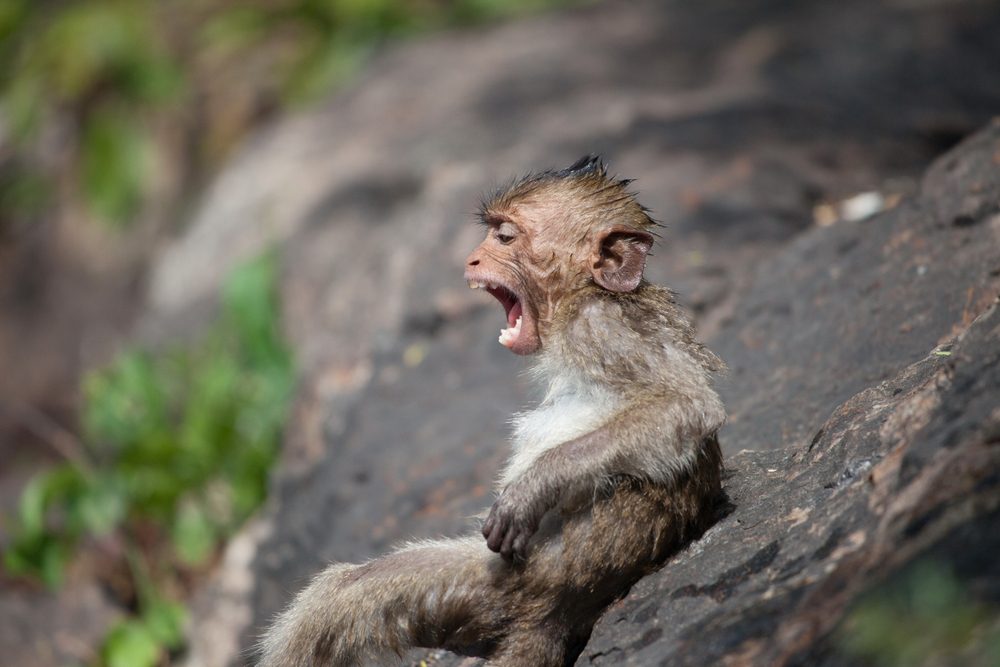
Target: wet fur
(458, 595)
(620, 461)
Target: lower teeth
(508, 335)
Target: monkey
(614, 471)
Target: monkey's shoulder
(645, 317)
(640, 338)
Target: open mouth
(512, 307)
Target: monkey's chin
(519, 341)
(524, 348)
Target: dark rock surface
(743, 120)
(907, 466)
(58, 628)
(845, 307)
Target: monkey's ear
(619, 258)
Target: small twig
(51, 432)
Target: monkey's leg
(539, 647)
(453, 594)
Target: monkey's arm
(653, 440)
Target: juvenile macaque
(616, 468)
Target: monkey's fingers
(507, 548)
(498, 529)
(495, 539)
(489, 525)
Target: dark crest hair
(592, 174)
(588, 164)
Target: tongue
(515, 312)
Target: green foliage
(35, 549)
(113, 164)
(102, 62)
(925, 617)
(142, 641)
(131, 644)
(112, 74)
(332, 37)
(179, 441)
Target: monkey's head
(551, 235)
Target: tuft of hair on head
(586, 180)
(588, 164)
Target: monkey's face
(532, 261)
(501, 265)
(547, 240)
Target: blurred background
(231, 238)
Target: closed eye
(505, 233)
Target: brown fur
(579, 519)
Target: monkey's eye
(505, 233)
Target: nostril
(474, 262)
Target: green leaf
(54, 556)
(150, 78)
(114, 151)
(43, 557)
(34, 500)
(131, 644)
(247, 297)
(165, 621)
(101, 508)
(12, 14)
(38, 556)
(126, 404)
(44, 490)
(40, 547)
(194, 535)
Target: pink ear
(620, 257)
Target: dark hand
(512, 521)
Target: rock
(846, 306)
(905, 470)
(741, 120)
(61, 628)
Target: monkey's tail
(420, 595)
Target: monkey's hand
(514, 518)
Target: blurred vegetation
(96, 93)
(113, 108)
(926, 616)
(175, 455)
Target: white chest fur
(572, 407)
